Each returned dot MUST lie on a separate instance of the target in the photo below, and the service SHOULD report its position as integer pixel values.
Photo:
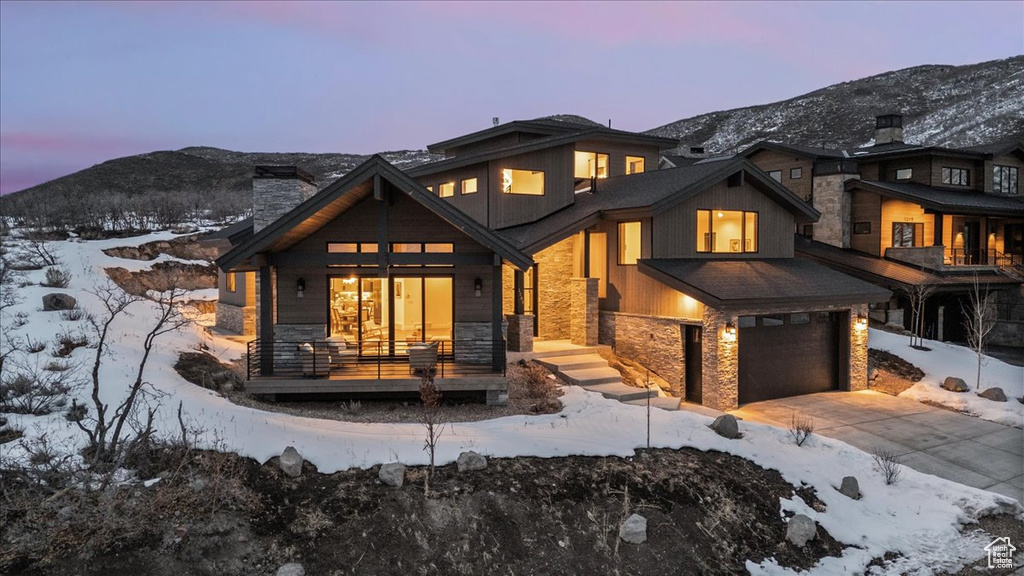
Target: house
(544, 230)
(905, 216)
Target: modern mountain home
(904, 216)
(540, 230)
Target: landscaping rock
(726, 425)
(290, 462)
(954, 384)
(469, 461)
(872, 371)
(993, 394)
(850, 488)
(801, 530)
(634, 529)
(58, 301)
(291, 569)
(392, 474)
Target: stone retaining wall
(653, 341)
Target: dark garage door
(788, 354)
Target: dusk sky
(81, 83)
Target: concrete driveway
(960, 448)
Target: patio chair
(315, 359)
(341, 352)
(423, 357)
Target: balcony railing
(388, 359)
(960, 257)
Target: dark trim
(496, 316)
(266, 332)
(552, 128)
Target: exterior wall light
(862, 321)
(478, 287)
(730, 331)
(300, 288)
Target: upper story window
(726, 231)
(956, 176)
(528, 182)
(446, 189)
(430, 189)
(590, 165)
(904, 174)
(351, 247)
(776, 175)
(907, 234)
(469, 186)
(634, 164)
(796, 173)
(630, 241)
(230, 280)
(1004, 179)
(419, 247)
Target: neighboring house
(551, 230)
(904, 216)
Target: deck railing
(960, 257)
(374, 358)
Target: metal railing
(381, 359)
(961, 257)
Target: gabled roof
(997, 148)
(944, 199)
(652, 191)
(755, 283)
(537, 126)
(812, 151)
(345, 193)
(233, 233)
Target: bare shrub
(20, 319)
(72, 314)
(530, 380)
(352, 407)
(37, 252)
(55, 366)
(433, 419)
(56, 277)
(800, 428)
(888, 463)
(29, 389)
(67, 342)
(32, 346)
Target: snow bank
(952, 360)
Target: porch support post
(937, 239)
(497, 345)
(266, 321)
(382, 226)
(517, 292)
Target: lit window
(469, 186)
(1004, 179)
(591, 165)
(528, 182)
(634, 164)
(446, 189)
(229, 282)
(418, 248)
(438, 248)
(406, 248)
(599, 261)
(726, 231)
(342, 247)
(368, 247)
(430, 189)
(956, 176)
(796, 173)
(907, 234)
(776, 175)
(904, 174)
(629, 242)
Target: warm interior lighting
(630, 235)
(446, 189)
(590, 165)
(528, 182)
(731, 231)
(720, 214)
(349, 280)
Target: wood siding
(512, 209)
(866, 207)
(675, 229)
(1008, 160)
(975, 178)
(902, 211)
(475, 205)
(769, 160)
(921, 166)
(617, 152)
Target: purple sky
(81, 83)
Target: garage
(790, 354)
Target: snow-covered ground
(952, 360)
(919, 518)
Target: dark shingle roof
(959, 201)
(753, 283)
(996, 148)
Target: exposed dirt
(203, 369)
(165, 275)
(707, 513)
(184, 247)
(994, 527)
(894, 373)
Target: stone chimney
(276, 190)
(888, 129)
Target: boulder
(993, 394)
(58, 301)
(392, 474)
(634, 529)
(801, 530)
(850, 488)
(954, 384)
(291, 569)
(469, 461)
(872, 371)
(290, 462)
(726, 425)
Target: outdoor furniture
(315, 359)
(423, 357)
(341, 352)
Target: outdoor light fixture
(300, 288)
(730, 331)
(478, 286)
(862, 321)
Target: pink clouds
(57, 143)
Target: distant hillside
(941, 106)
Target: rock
(850, 488)
(290, 462)
(291, 569)
(392, 474)
(3, 422)
(954, 384)
(993, 394)
(197, 484)
(469, 461)
(872, 372)
(634, 529)
(801, 530)
(58, 301)
(66, 513)
(726, 425)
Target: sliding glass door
(403, 309)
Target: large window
(446, 189)
(1004, 179)
(418, 247)
(469, 186)
(598, 261)
(351, 247)
(630, 240)
(907, 234)
(528, 182)
(726, 231)
(956, 176)
(591, 165)
(634, 164)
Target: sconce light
(730, 331)
(300, 288)
(478, 286)
(862, 321)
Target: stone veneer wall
(858, 349)
(237, 319)
(554, 302)
(275, 197)
(583, 323)
(932, 257)
(654, 341)
(473, 342)
(288, 338)
(519, 332)
(830, 198)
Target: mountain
(941, 106)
